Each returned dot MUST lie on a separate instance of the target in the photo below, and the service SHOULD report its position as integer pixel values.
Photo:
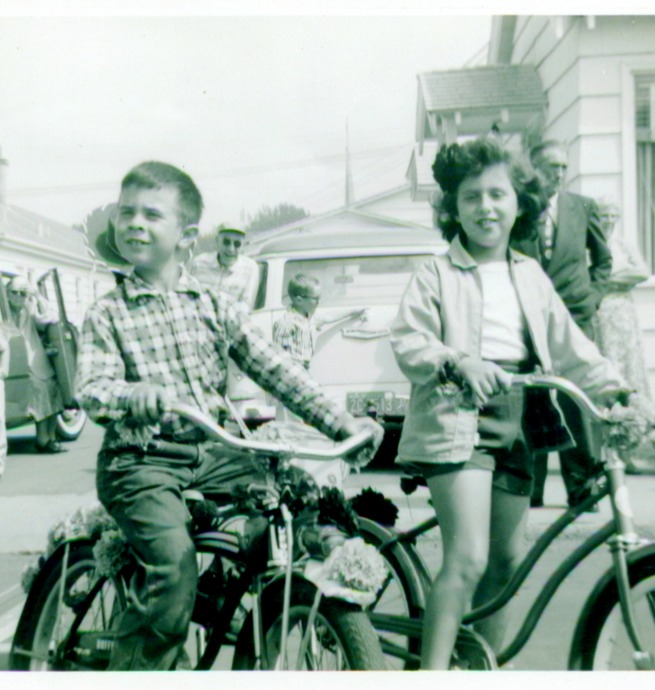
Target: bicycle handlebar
(218, 433)
(579, 397)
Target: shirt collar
(228, 269)
(136, 287)
(462, 259)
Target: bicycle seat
(409, 483)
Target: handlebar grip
(215, 432)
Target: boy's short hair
(300, 284)
(154, 175)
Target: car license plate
(384, 403)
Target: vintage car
(60, 340)
(359, 265)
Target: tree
(267, 218)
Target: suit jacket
(581, 261)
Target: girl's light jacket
(440, 320)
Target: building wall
(586, 71)
(587, 67)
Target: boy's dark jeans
(144, 495)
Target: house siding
(588, 76)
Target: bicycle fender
(408, 559)
(46, 567)
(596, 596)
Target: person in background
(297, 330)
(572, 249)
(157, 337)
(31, 313)
(468, 320)
(4, 372)
(229, 269)
(618, 334)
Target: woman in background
(31, 313)
(618, 334)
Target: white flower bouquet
(110, 550)
(354, 571)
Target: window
(645, 135)
(355, 281)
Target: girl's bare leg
(509, 516)
(462, 500)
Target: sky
(255, 107)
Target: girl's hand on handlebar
(483, 379)
(631, 423)
(147, 403)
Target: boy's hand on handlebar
(365, 454)
(483, 379)
(147, 403)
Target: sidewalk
(27, 519)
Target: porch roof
(472, 101)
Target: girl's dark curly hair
(456, 162)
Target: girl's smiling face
(487, 208)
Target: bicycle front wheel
(66, 622)
(602, 642)
(338, 638)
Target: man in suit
(572, 249)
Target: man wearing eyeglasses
(229, 270)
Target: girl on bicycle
(467, 321)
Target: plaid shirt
(241, 279)
(181, 340)
(296, 334)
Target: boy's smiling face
(148, 226)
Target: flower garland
(110, 549)
(354, 571)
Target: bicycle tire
(75, 635)
(400, 596)
(342, 637)
(83, 628)
(601, 641)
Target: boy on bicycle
(160, 336)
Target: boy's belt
(161, 448)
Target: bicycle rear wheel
(601, 641)
(398, 600)
(66, 622)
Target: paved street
(39, 489)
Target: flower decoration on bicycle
(630, 424)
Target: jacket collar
(135, 287)
(462, 259)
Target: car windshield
(358, 280)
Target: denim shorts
(501, 449)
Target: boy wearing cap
(229, 270)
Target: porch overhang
(506, 98)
